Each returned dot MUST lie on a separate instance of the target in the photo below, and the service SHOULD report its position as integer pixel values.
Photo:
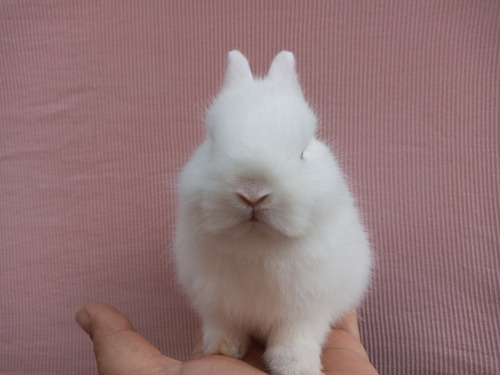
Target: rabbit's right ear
(238, 70)
(283, 71)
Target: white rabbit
(269, 243)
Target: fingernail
(83, 319)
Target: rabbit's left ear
(283, 71)
(238, 70)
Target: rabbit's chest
(261, 290)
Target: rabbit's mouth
(254, 218)
(258, 215)
(253, 226)
(259, 222)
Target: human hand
(120, 350)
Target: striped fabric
(101, 104)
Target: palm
(121, 350)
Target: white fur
(304, 259)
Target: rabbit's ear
(282, 70)
(238, 70)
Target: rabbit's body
(269, 242)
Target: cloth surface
(101, 104)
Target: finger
(343, 352)
(198, 346)
(350, 324)
(98, 317)
(118, 348)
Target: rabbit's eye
(306, 153)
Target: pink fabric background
(101, 104)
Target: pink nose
(253, 192)
(252, 200)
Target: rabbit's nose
(252, 200)
(253, 192)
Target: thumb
(118, 348)
(97, 318)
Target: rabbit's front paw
(231, 345)
(294, 359)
